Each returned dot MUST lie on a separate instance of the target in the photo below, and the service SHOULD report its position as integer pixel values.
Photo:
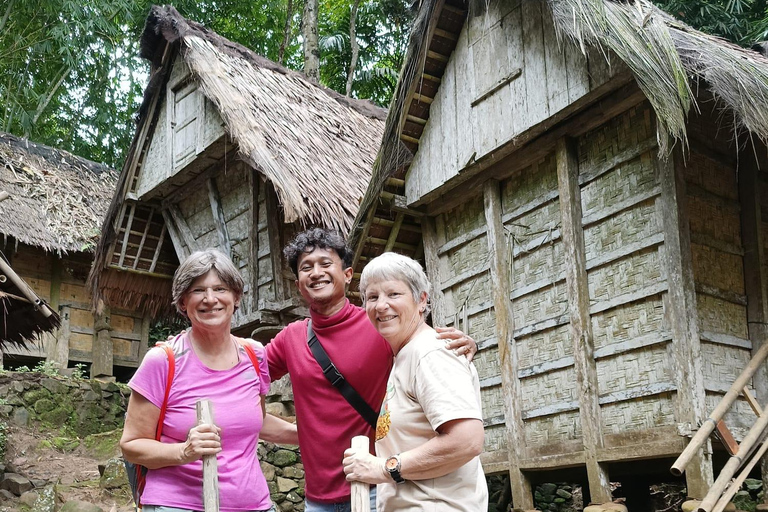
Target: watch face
(391, 463)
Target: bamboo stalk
(730, 468)
(710, 423)
(210, 464)
(360, 491)
(736, 484)
(26, 291)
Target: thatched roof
(667, 58)
(315, 146)
(56, 199)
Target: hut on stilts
(589, 193)
(50, 221)
(235, 152)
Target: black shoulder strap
(337, 379)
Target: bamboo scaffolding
(736, 484)
(710, 423)
(733, 464)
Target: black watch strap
(394, 471)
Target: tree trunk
(311, 47)
(51, 92)
(286, 32)
(354, 45)
(6, 15)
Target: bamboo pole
(710, 423)
(730, 468)
(6, 270)
(210, 464)
(360, 491)
(736, 484)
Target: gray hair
(392, 266)
(200, 263)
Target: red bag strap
(171, 372)
(251, 355)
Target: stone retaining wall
(83, 407)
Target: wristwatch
(393, 466)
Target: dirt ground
(74, 470)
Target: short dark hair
(313, 238)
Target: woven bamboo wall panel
(80, 341)
(617, 135)
(486, 362)
(492, 399)
(464, 218)
(81, 318)
(711, 175)
(544, 346)
(624, 276)
(722, 364)
(536, 223)
(552, 429)
(71, 292)
(529, 184)
(121, 323)
(637, 176)
(470, 293)
(638, 414)
(634, 370)
(208, 239)
(197, 201)
(42, 287)
(535, 307)
(717, 268)
(496, 438)
(544, 264)
(549, 389)
(711, 218)
(122, 347)
(721, 317)
(239, 226)
(627, 322)
(232, 184)
(482, 326)
(468, 257)
(30, 261)
(628, 227)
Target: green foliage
(163, 329)
(743, 22)
(47, 368)
(79, 371)
(71, 76)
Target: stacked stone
(88, 407)
(284, 472)
(554, 497)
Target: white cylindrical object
(360, 491)
(210, 463)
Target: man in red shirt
(327, 423)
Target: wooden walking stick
(360, 491)
(210, 464)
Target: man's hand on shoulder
(457, 341)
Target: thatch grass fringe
(640, 37)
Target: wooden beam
(434, 270)
(146, 323)
(437, 56)
(455, 10)
(580, 328)
(431, 78)
(127, 233)
(682, 312)
(446, 35)
(408, 138)
(255, 183)
(144, 237)
(751, 401)
(755, 278)
(416, 120)
(158, 247)
(505, 326)
(725, 436)
(423, 98)
(184, 231)
(394, 231)
(274, 221)
(219, 219)
(181, 250)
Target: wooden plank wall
(508, 73)
(39, 270)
